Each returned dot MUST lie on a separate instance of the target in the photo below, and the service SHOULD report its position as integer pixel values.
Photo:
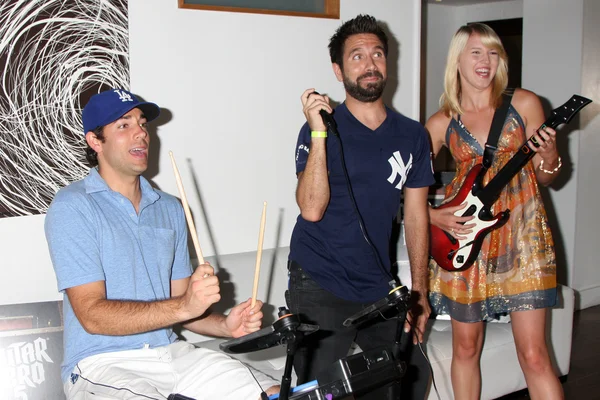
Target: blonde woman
(515, 272)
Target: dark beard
(368, 94)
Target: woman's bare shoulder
(524, 99)
(529, 106)
(437, 123)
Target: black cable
(427, 360)
(420, 349)
(331, 126)
(112, 387)
(263, 394)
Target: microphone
(328, 119)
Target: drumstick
(261, 235)
(186, 209)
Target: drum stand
(361, 372)
(286, 330)
(398, 300)
(292, 337)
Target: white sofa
(500, 369)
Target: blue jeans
(332, 341)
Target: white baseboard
(587, 297)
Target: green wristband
(318, 134)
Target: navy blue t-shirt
(380, 163)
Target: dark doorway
(510, 32)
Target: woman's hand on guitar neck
(448, 219)
(548, 155)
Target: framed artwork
(54, 55)
(299, 8)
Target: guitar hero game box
(31, 349)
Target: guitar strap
(495, 130)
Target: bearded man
(349, 193)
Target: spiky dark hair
(360, 24)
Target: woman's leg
(467, 341)
(529, 330)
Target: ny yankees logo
(123, 96)
(399, 168)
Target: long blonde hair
(450, 100)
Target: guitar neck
(489, 194)
(561, 115)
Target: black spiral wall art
(54, 55)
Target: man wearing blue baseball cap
(119, 250)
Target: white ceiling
(462, 2)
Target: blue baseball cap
(110, 105)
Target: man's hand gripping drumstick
(203, 289)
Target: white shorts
(155, 373)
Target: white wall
(442, 22)
(27, 274)
(232, 84)
(552, 69)
(586, 274)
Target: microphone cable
(426, 359)
(332, 127)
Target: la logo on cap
(123, 95)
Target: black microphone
(328, 120)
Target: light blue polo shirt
(94, 234)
